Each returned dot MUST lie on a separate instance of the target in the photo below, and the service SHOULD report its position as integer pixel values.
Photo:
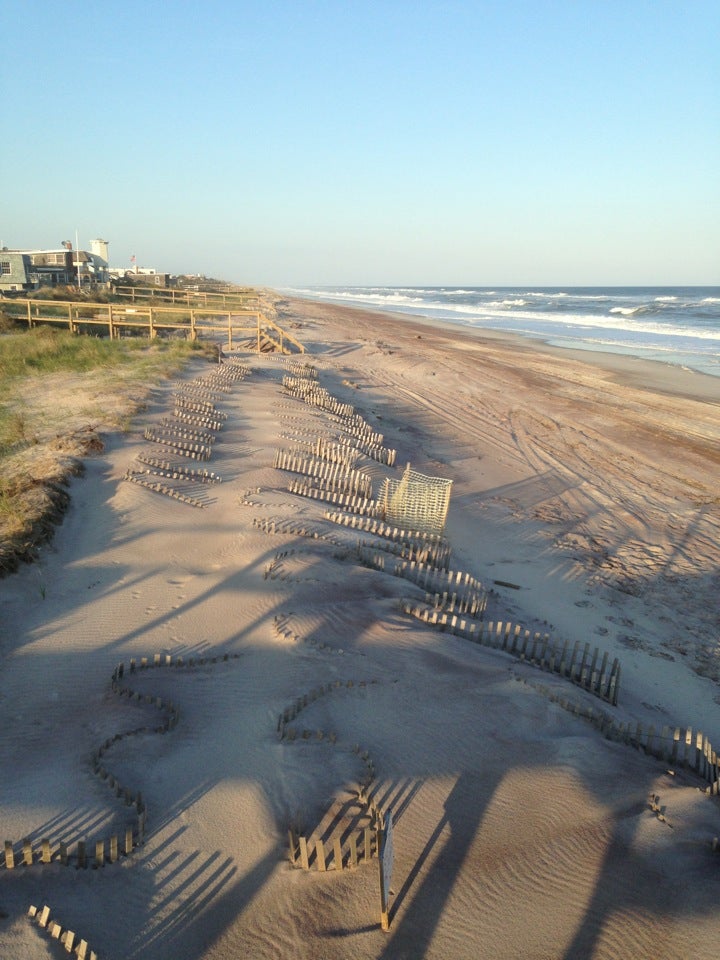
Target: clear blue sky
(281, 143)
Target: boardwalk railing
(235, 298)
(237, 323)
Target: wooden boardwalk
(236, 324)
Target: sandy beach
(584, 499)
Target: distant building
(100, 249)
(24, 270)
(142, 277)
(16, 272)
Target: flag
(67, 244)
(132, 259)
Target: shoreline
(657, 374)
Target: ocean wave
(678, 323)
(507, 303)
(547, 296)
(365, 297)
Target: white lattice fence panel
(417, 501)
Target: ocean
(675, 325)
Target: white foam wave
(367, 297)
(547, 296)
(510, 315)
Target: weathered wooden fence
(429, 548)
(677, 746)
(84, 854)
(347, 846)
(56, 931)
(363, 506)
(189, 433)
(579, 667)
(340, 476)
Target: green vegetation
(48, 350)
(38, 352)
(57, 391)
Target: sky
(293, 142)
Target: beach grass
(57, 392)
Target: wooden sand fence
(362, 506)
(298, 368)
(190, 434)
(55, 931)
(451, 590)
(345, 847)
(361, 435)
(85, 854)
(418, 545)
(310, 392)
(338, 474)
(588, 668)
(675, 746)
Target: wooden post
(368, 843)
(337, 852)
(9, 855)
(320, 855)
(304, 856)
(293, 845)
(150, 322)
(230, 332)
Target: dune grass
(50, 414)
(33, 354)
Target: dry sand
(587, 482)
